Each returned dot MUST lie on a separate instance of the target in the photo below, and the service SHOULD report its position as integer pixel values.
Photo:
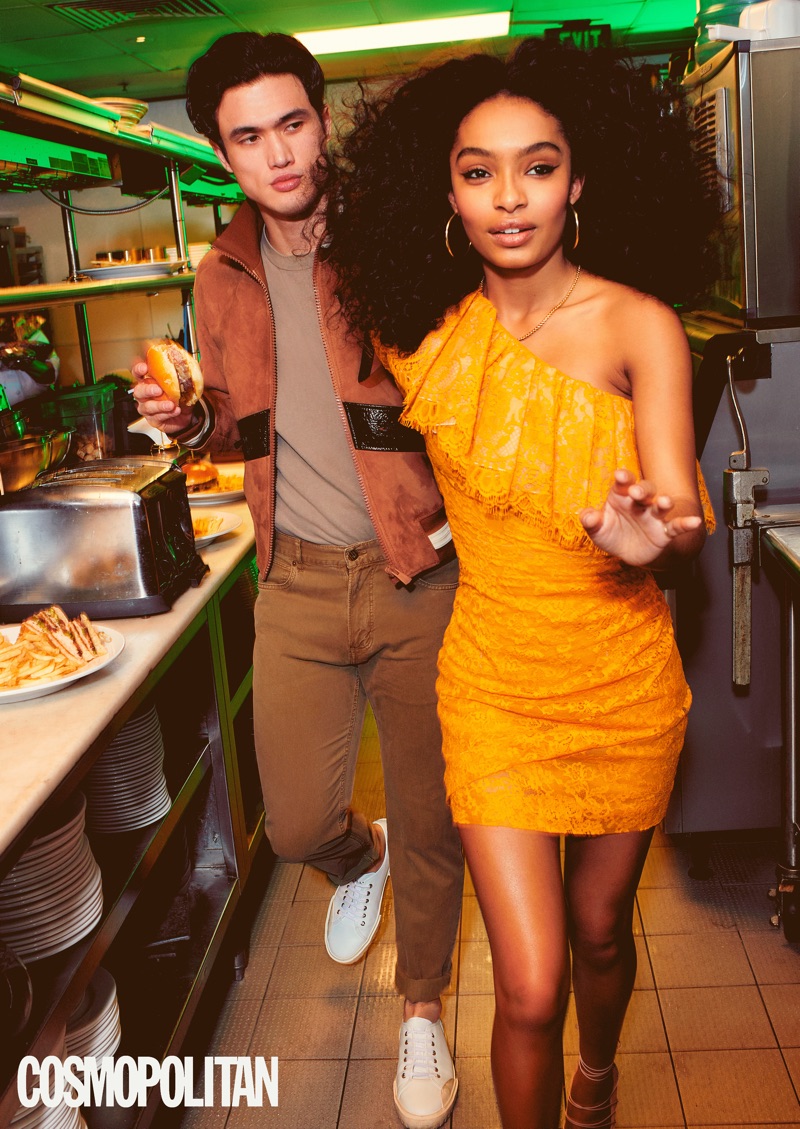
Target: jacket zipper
(273, 404)
(342, 414)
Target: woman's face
(511, 172)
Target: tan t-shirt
(318, 495)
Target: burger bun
(176, 372)
(201, 474)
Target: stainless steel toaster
(112, 538)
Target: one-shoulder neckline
(499, 327)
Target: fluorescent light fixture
(407, 34)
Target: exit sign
(581, 33)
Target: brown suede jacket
(238, 356)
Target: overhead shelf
(67, 140)
(68, 293)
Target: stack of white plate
(54, 895)
(196, 253)
(43, 1117)
(126, 788)
(93, 1029)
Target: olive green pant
(334, 632)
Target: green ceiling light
(410, 33)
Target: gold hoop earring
(577, 227)
(447, 236)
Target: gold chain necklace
(549, 313)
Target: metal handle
(738, 460)
(738, 491)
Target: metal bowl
(21, 460)
(60, 442)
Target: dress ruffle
(561, 693)
(515, 432)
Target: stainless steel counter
(781, 545)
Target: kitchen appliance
(111, 538)
(89, 409)
(745, 100)
(745, 103)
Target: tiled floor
(712, 1037)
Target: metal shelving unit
(58, 141)
(201, 688)
(52, 138)
(69, 293)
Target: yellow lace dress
(561, 693)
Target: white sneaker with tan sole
(426, 1085)
(354, 913)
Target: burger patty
(182, 372)
(196, 487)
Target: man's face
(273, 138)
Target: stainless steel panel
(775, 110)
(731, 767)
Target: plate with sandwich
(49, 651)
(208, 484)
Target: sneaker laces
(355, 898)
(419, 1049)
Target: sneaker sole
(366, 944)
(425, 1121)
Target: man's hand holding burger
(168, 385)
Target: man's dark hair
(240, 59)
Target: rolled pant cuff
(421, 991)
(365, 863)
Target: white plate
(214, 497)
(52, 890)
(229, 523)
(113, 640)
(69, 930)
(98, 1001)
(132, 270)
(67, 941)
(51, 917)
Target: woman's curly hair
(644, 214)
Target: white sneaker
(354, 913)
(426, 1085)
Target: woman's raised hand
(634, 523)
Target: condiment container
(90, 411)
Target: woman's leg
(600, 879)
(517, 876)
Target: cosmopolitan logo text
(223, 1080)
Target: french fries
(230, 482)
(205, 526)
(49, 645)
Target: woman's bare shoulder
(621, 301)
(639, 320)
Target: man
(356, 562)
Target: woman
(501, 230)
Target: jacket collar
(241, 239)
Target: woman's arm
(657, 521)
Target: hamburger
(176, 372)
(200, 475)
